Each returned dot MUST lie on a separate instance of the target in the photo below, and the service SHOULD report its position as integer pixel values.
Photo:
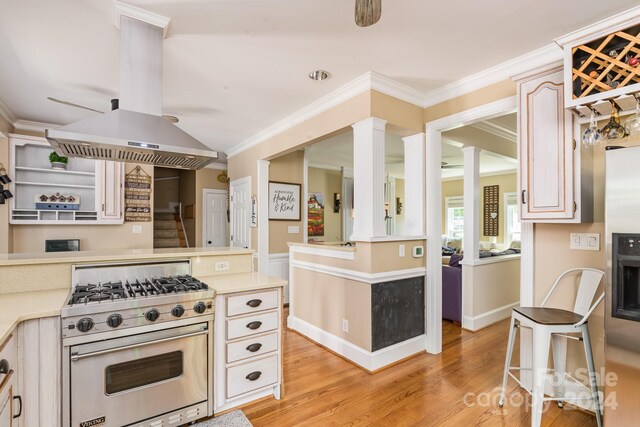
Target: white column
(368, 179)
(414, 182)
(471, 239)
(433, 197)
(305, 196)
(263, 216)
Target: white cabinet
(248, 347)
(555, 179)
(95, 186)
(10, 402)
(109, 187)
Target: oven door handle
(76, 356)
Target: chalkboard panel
(397, 311)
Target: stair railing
(184, 231)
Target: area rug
(231, 419)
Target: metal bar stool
(551, 326)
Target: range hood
(136, 132)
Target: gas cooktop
(144, 288)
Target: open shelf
(47, 184)
(62, 172)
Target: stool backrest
(589, 282)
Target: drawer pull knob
(254, 303)
(254, 325)
(254, 347)
(253, 376)
(19, 399)
(4, 366)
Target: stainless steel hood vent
(128, 136)
(136, 132)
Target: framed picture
(284, 201)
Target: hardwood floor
(427, 390)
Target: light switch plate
(401, 250)
(293, 229)
(136, 229)
(585, 241)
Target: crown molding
(123, 9)
(625, 19)
(217, 166)
(6, 114)
(506, 70)
(398, 90)
(338, 96)
(32, 126)
(497, 130)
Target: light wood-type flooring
(427, 390)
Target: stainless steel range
(137, 346)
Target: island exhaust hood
(136, 132)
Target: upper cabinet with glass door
(602, 63)
(50, 190)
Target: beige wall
(327, 182)
(399, 114)
(290, 169)
(205, 178)
(325, 300)
(508, 184)
(324, 124)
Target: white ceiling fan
(368, 12)
(114, 106)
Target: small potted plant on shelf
(58, 162)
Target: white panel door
(240, 212)
(546, 150)
(109, 190)
(215, 218)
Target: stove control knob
(200, 307)
(85, 324)
(177, 311)
(152, 315)
(114, 320)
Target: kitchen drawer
(252, 376)
(241, 349)
(251, 325)
(252, 302)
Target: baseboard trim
(370, 361)
(489, 318)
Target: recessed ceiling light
(318, 75)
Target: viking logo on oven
(94, 422)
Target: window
(512, 218)
(455, 217)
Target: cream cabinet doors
(110, 191)
(546, 150)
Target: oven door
(137, 377)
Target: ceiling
(234, 67)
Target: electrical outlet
(401, 250)
(136, 229)
(222, 265)
(345, 325)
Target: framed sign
(137, 196)
(254, 211)
(491, 210)
(284, 201)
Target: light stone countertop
(321, 246)
(240, 282)
(114, 255)
(20, 306)
(17, 307)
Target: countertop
(241, 282)
(321, 246)
(114, 255)
(20, 306)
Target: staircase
(168, 231)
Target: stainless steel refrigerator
(622, 302)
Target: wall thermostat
(418, 251)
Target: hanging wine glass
(592, 136)
(633, 123)
(614, 131)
